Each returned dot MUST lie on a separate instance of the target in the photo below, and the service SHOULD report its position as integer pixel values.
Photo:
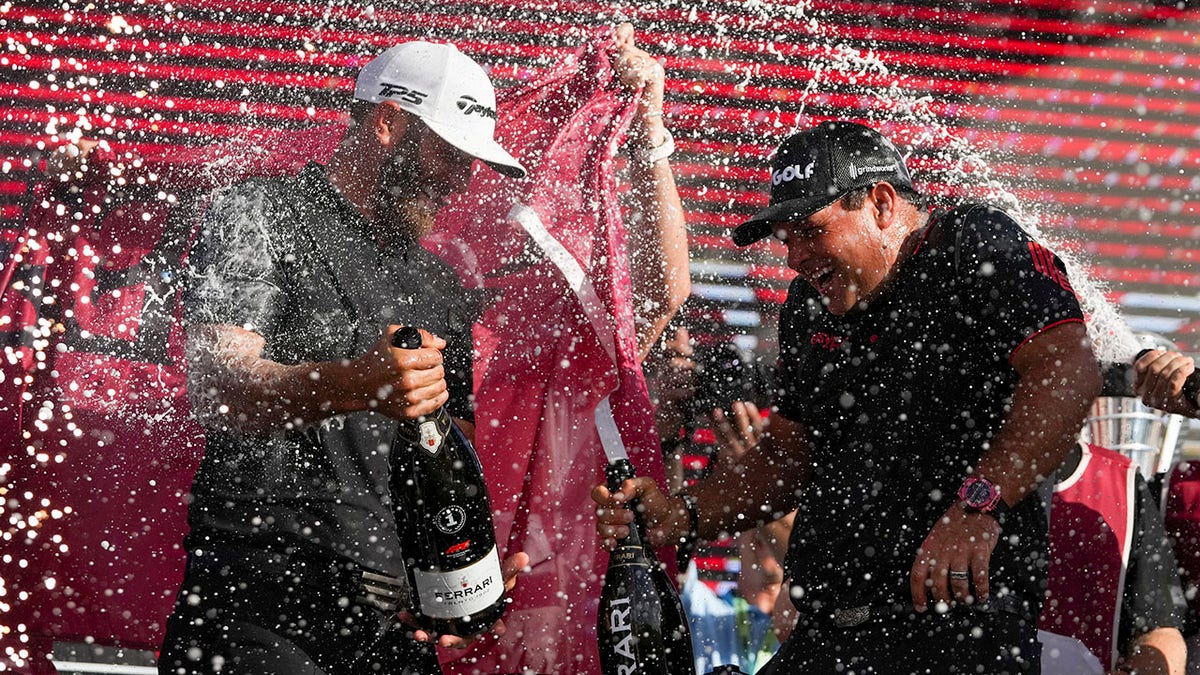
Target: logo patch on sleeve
(1043, 261)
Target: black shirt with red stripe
(900, 397)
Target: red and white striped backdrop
(1089, 112)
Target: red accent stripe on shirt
(1038, 332)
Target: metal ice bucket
(1141, 433)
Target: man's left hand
(637, 70)
(954, 556)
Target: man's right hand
(232, 385)
(666, 517)
(1159, 378)
(401, 383)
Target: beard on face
(401, 206)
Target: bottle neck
(637, 529)
(439, 416)
(617, 472)
(428, 433)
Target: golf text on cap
(402, 93)
(856, 171)
(470, 106)
(790, 173)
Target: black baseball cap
(816, 167)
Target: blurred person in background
(1114, 589)
(714, 387)
(1114, 585)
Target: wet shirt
(899, 398)
(290, 259)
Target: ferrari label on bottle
(462, 592)
(619, 622)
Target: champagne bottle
(676, 632)
(444, 517)
(642, 627)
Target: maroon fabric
(549, 349)
(1091, 533)
(1182, 520)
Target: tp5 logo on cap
(447, 90)
(401, 93)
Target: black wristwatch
(980, 495)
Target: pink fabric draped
(557, 339)
(101, 443)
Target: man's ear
(886, 202)
(388, 122)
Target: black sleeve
(232, 277)
(458, 360)
(1017, 286)
(796, 318)
(1152, 596)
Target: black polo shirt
(291, 260)
(899, 398)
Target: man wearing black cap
(934, 370)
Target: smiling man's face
(841, 253)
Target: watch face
(977, 493)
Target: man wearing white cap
(298, 283)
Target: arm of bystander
(1159, 381)
(658, 238)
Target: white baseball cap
(447, 90)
